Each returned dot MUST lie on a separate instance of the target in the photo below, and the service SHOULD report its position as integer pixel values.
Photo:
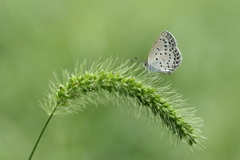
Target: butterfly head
(145, 64)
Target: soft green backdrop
(37, 37)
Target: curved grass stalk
(108, 82)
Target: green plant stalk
(108, 81)
(40, 136)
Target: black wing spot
(160, 53)
(156, 58)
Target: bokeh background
(38, 37)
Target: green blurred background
(37, 37)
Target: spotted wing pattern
(164, 55)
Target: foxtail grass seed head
(112, 81)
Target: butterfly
(164, 56)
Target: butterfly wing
(164, 55)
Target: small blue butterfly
(164, 55)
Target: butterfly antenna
(136, 59)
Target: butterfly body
(164, 55)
